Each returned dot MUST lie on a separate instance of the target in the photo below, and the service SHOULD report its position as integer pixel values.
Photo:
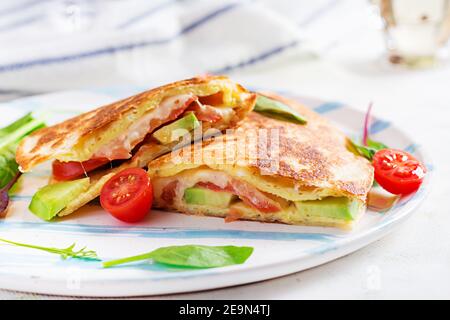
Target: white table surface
(414, 260)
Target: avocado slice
(172, 132)
(206, 197)
(331, 207)
(48, 201)
(278, 110)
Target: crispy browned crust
(43, 144)
(315, 154)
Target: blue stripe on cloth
(133, 20)
(115, 49)
(21, 7)
(328, 106)
(20, 23)
(169, 233)
(318, 13)
(261, 57)
(16, 91)
(378, 126)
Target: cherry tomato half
(73, 169)
(397, 171)
(128, 195)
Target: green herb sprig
(65, 253)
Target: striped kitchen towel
(59, 44)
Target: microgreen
(65, 253)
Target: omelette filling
(185, 111)
(208, 109)
(217, 193)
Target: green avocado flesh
(278, 110)
(48, 201)
(172, 132)
(331, 207)
(201, 196)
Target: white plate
(279, 249)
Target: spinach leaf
(368, 151)
(376, 145)
(192, 256)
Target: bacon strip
(253, 197)
(169, 192)
(205, 112)
(121, 147)
(249, 194)
(215, 99)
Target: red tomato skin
(71, 170)
(398, 177)
(139, 203)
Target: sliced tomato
(398, 171)
(205, 113)
(72, 170)
(215, 99)
(128, 195)
(247, 193)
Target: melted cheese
(121, 147)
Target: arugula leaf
(278, 110)
(65, 253)
(192, 256)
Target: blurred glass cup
(416, 30)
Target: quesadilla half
(134, 131)
(268, 170)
